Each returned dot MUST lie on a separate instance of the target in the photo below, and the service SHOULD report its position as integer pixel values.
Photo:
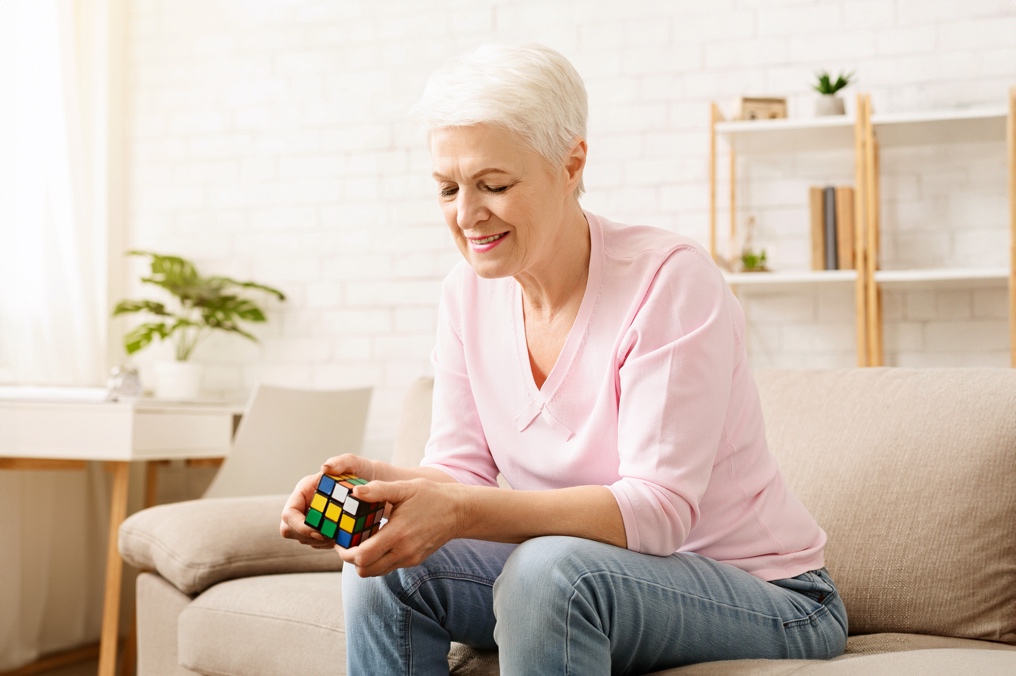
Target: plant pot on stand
(177, 380)
(829, 104)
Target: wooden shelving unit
(932, 128)
(868, 133)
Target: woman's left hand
(424, 516)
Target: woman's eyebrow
(481, 173)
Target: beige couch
(911, 472)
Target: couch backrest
(912, 473)
(413, 426)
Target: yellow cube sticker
(318, 502)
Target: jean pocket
(815, 584)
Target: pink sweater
(651, 396)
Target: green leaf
(205, 303)
(126, 306)
(826, 85)
(142, 335)
(249, 285)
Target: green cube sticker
(329, 528)
(359, 524)
(314, 518)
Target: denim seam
(407, 642)
(415, 586)
(574, 595)
(676, 591)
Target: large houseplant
(205, 304)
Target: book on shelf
(831, 211)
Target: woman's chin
(488, 271)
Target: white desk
(53, 428)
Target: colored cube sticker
(336, 514)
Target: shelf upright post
(733, 195)
(860, 260)
(1011, 141)
(875, 355)
(714, 116)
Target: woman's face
(503, 202)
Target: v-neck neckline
(578, 329)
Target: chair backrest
(285, 434)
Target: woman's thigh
(572, 605)
(447, 597)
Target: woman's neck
(559, 283)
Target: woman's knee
(544, 573)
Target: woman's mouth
(483, 244)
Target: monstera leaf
(206, 304)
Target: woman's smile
(484, 244)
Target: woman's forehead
(475, 149)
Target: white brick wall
(268, 141)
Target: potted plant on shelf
(205, 304)
(830, 103)
(752, 260)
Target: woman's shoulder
(621, 240)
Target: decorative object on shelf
(754, 108)
(752, 260)
(830, 103)
(205, 304)
(124, 383)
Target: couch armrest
(198, 543)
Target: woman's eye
(496, 189)
(449, 191)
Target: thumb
(383, 491)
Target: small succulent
(752, 261)
(826, 85)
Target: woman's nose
(470, 210)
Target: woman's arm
(427, 514)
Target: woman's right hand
(295, 511)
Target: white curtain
(54, 134)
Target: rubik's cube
(336, 514)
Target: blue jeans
(563, 605)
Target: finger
(341, 464)
(371, 564)
(300, 532)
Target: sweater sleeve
(676, 367)
(457, 444)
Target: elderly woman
(601, 369)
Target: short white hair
(530, 90)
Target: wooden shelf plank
(789, 135)
(791, 278)
(985, 124)
(953, 277)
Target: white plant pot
(829, 104)
(177, 380)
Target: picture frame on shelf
(760, 108)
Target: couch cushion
(941, 662)
(272, 624)
(466, 661)
(198, 543)
(912, 475)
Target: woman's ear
(575, 163)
